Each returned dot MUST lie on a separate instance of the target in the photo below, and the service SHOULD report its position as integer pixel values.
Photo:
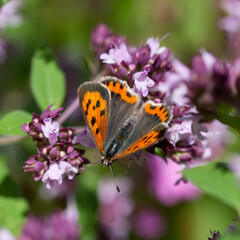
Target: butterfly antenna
(91, 165)
(114, 177)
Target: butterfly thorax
(105, 162)
(120, 137)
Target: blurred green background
(66, 26)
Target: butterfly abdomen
(121, 136)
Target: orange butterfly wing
(150, 127)
(94, 102)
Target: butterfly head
(105, 162)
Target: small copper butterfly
(118, 121)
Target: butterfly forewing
(94, 102)
(152, 121)
(124, 102)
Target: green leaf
(234, 145)
(231, 236)
(159, 152)
(47, 80)
(216, 180)
(12, 213)
(3, 170)
(228, 116)
(11, 123)
(2, 2)
(12, 206)
(87, 204)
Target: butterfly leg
(128, 166)
(121, 164)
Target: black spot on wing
(93, 121)
(88, 104)
(102, 112)
(144, 138)
(129, 94)
(98, 104)
(135, 148)
(97, 131)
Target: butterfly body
(116, 119)
(120, 138)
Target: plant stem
(4, 140)
(74, 105)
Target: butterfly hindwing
(152, 121)
(94, 103)
(124, 102)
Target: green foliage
(159, 152)
(2, 2)
(13, 206)
(228, 116)
(3, 170)
(11, 123)
(87, 205)
(216, 180)
(231, 236)
(12, 213)
(47, 79)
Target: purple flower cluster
(115, 208)
(166, 182)
(57, 156)
(231, 23)
(154, 73)
(163, 179)
(58, 225)
(143, 67)
(233, 227)
(215, 235)
(9, 16)
(214, 83)
(149, 224)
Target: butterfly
(120, 124)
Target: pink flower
(85, 139)
(143, 82)
(208, 59)
(163, 179)
(174, 87)
(180, 132)
(50, 130)
(68, 169)
(230, 23)
(234, 77)
(9, 15)
(234, 165)
(54, 175)
(117, 55)
(55, 226)
(215, 140)
(154, 45)
(148, 224)
(115, 208)
(5, 234)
